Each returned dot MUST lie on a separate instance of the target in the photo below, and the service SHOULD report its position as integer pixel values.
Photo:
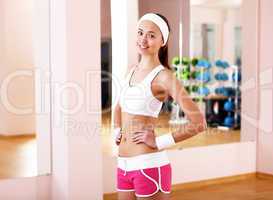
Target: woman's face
(149, 38)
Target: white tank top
(138, 99)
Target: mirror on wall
(24, 113)
(207, 35)
(215, 75)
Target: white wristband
(116, 132)
(164, 141)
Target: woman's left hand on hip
(145, 136)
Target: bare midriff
(131, 124)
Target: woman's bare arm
(171, 86)
(117, 116)
(197, 122)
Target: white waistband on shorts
(148, 160)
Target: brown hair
(163, 51)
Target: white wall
(206, 15)
(224, 20)
(76, 155)
(17, 53)
(232, 20)
(124, 52)
(2, 28)
(265, 134)
(250, 95)
(75, 58)
(34, 188)
(41, 51)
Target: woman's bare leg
(126, 195)
(158, 196)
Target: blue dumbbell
(229, 121)
(229, 105)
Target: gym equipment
(221, 64)
(214, 109)
(203, 76)
(221, 76)
(236, 77)
(182, 69)
(229, 121)
(228, 87)
(203, 91)
(175, 61)
(203, 64)
(222, 101)
(194, 61)
(229, 105)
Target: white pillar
(124, 16)
(249, 111)
(41, 57)
(265, 91)
(75, 57)
(2, 28)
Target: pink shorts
(145, 174)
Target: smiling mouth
(143, 47)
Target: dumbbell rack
(237, 101)
(237, 98)
(177, 116)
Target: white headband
(159, 22)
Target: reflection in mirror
(18, 112)
(215, 47)
(203, 40)
(210, 32)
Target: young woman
(144, 171)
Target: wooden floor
(210, 137)
(18, 156)
(249, 189)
